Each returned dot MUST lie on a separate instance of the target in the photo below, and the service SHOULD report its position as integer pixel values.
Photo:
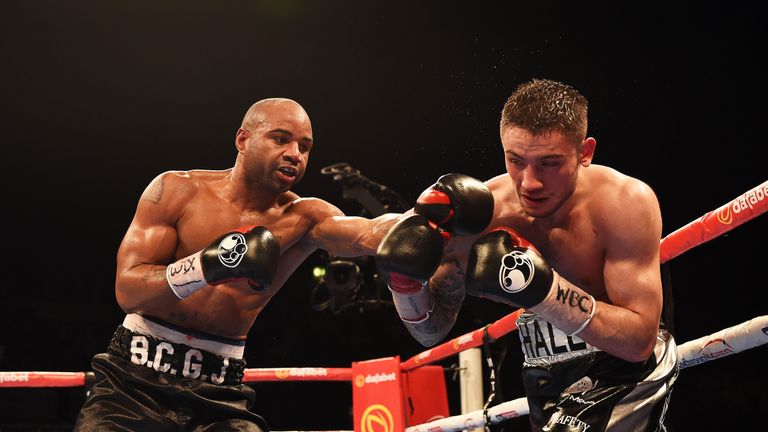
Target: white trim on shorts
(138, 324)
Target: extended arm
(349, 236)
(421, 269)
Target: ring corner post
(424, 395)
(377, 398)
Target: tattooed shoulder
(154, 191)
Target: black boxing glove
(505, 267)
(458, 204)
(407, 257)
(248, 253)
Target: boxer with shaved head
(205, 252)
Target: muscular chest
(206, 218)
(577, 256)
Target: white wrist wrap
(566, 306)
(413, 308)
(185, 276)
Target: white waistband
(139, 324)
(543, 344)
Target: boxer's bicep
(631, 268)
(151, 237)
(627, 326)
(152, 245)
(149, 244)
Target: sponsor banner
(298, 374)
(712, 349)
(301, 372)
(750, 199)
(463, 342)
(422, 356)
(14, 377)
(377, 399)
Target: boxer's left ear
(241, 137)
(586, 151)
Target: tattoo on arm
(154, 191)
(448, 292)
(154, 275)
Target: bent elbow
(642, 352)
(127, 302)
(638, 356)
(124, 302)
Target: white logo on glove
(232, 249)
(516, 272)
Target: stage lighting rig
(353, 283)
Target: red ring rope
(42, 379)
(743, 208)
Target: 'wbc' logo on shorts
(232, 249)
(516, 271)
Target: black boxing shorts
(156, 376)
(573, 386)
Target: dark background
(99, 97)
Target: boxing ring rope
(43, 379)
(497, 329)
(715, 223)
(743, 208)
(79, 379)
(298, 374)
(720, 344)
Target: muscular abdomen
(226, 310)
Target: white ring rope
(725, 342)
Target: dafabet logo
(377, 418)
